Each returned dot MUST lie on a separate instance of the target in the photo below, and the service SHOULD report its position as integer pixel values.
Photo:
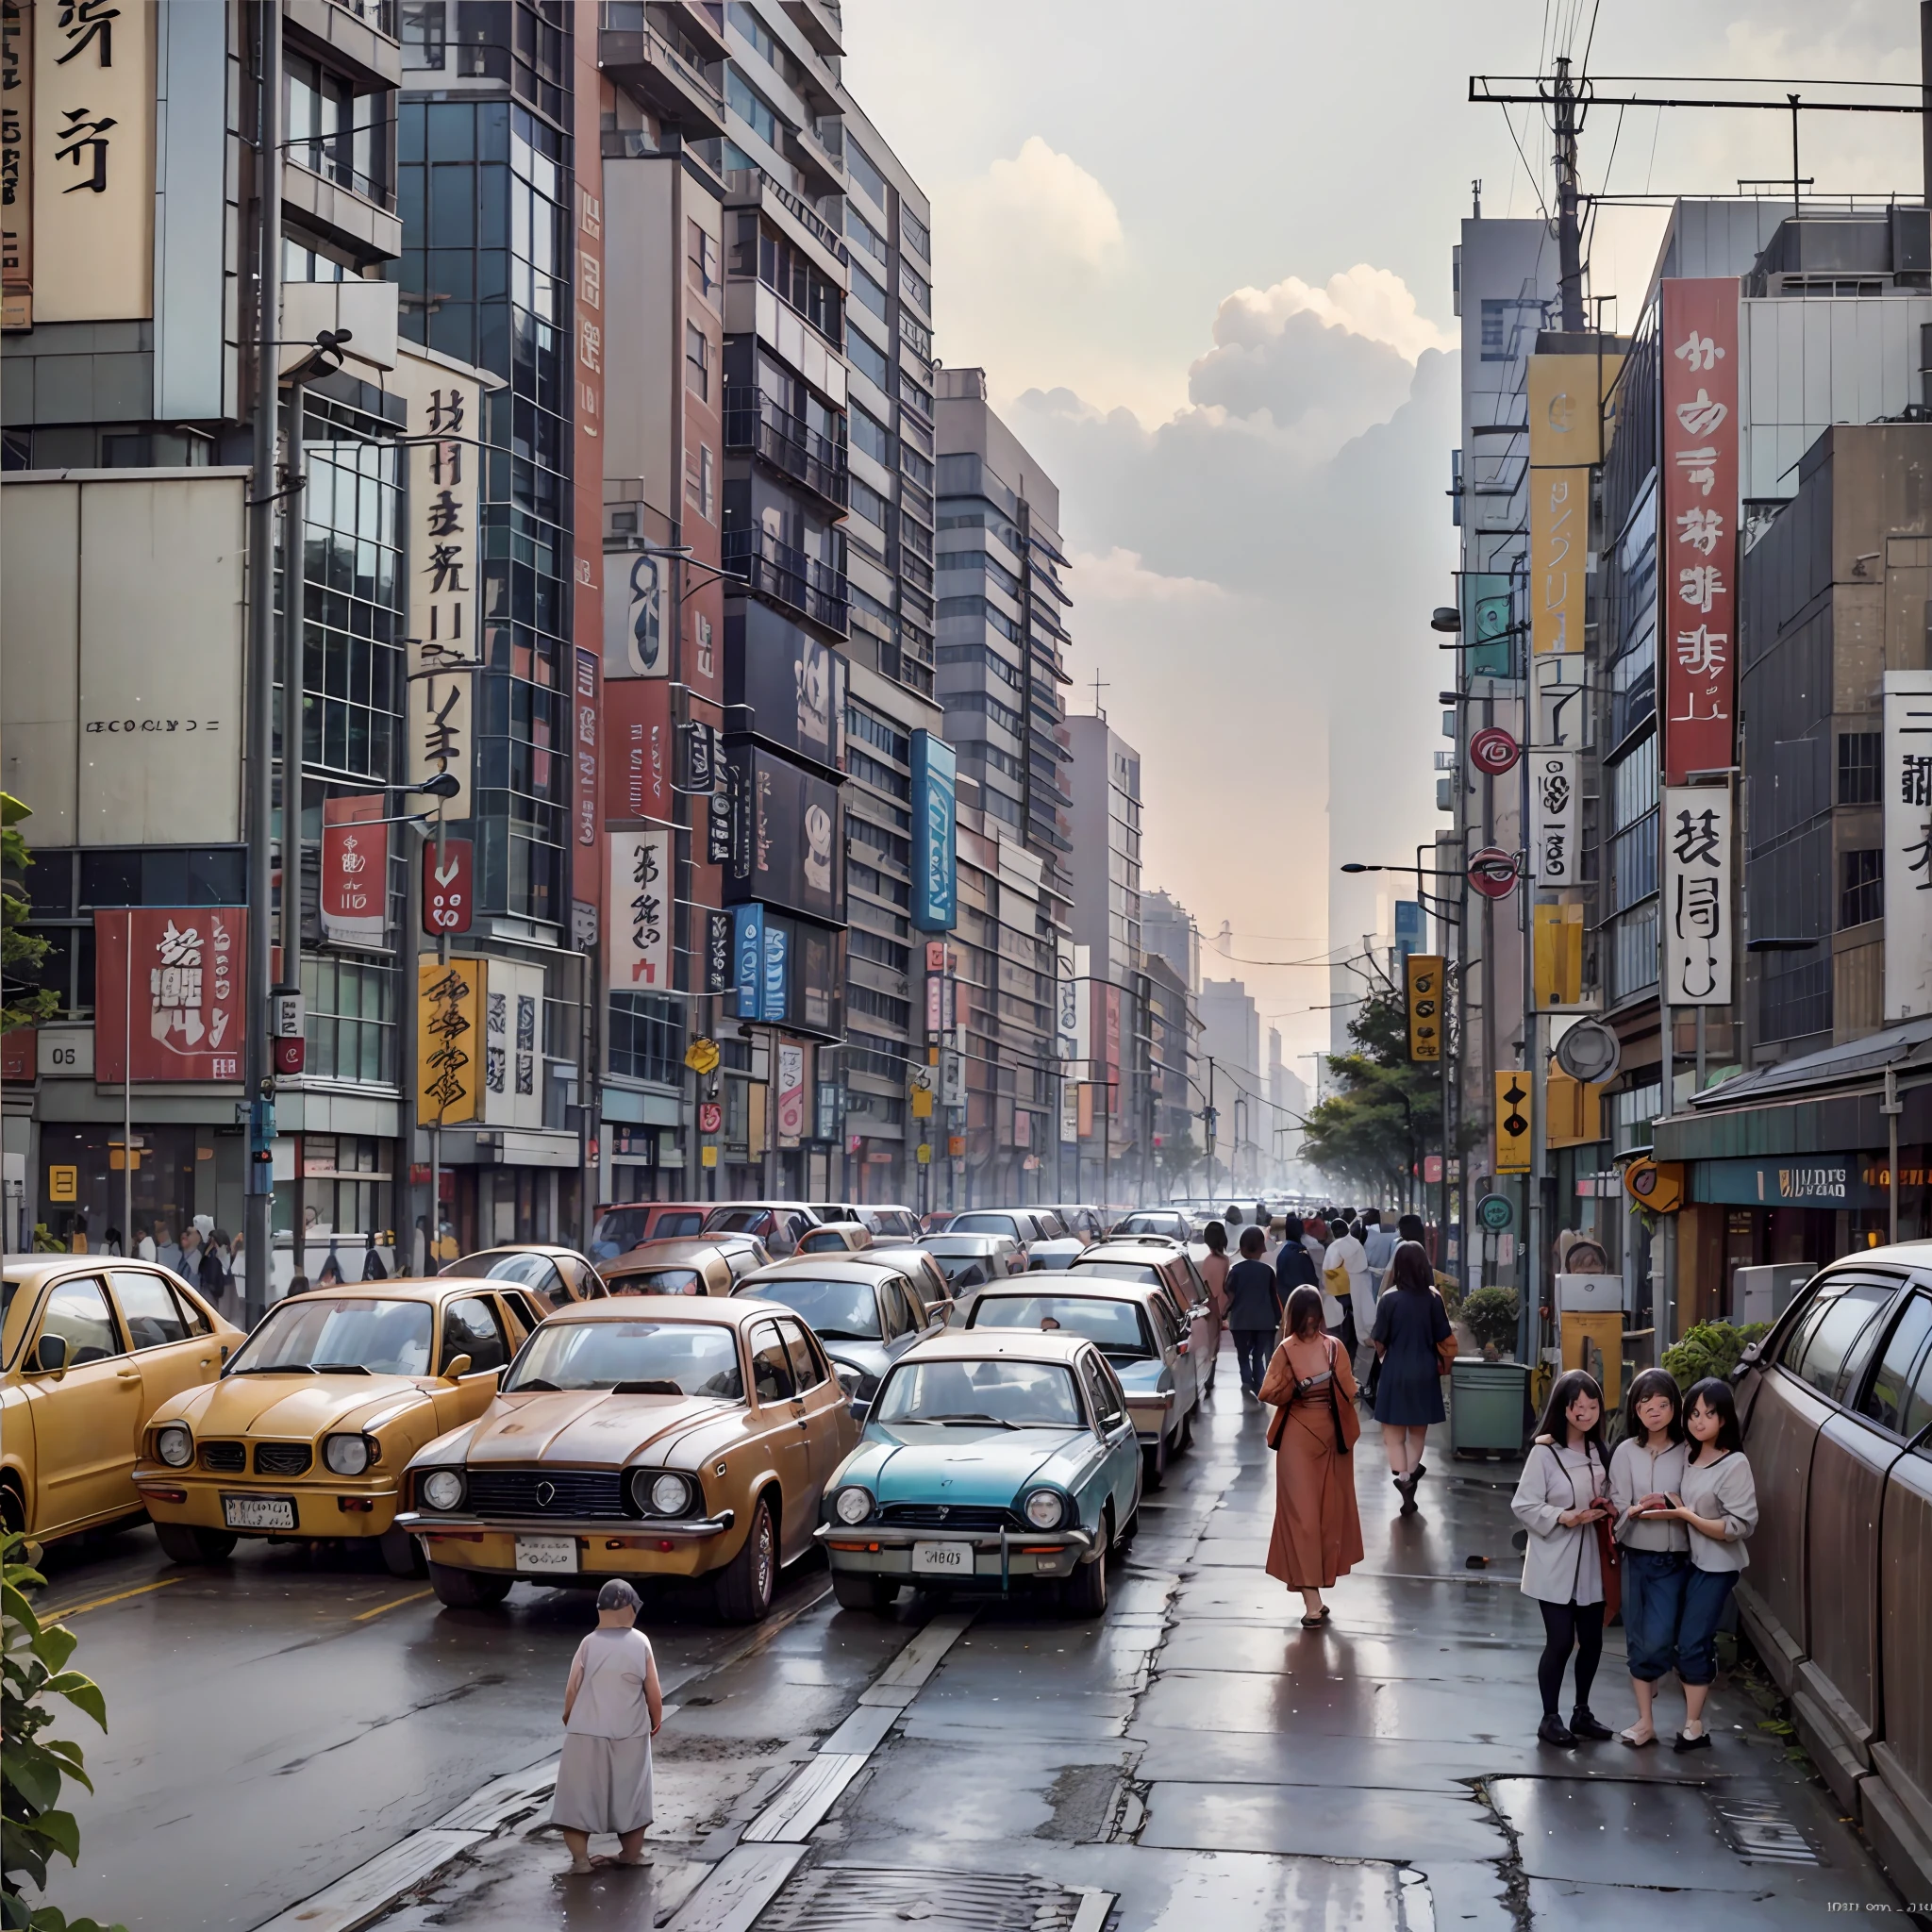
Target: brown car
(686, 1267)
(625, 1225)
(556, 1276)
(1837, 1407)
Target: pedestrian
(1318, 1528)
(1345, 1276)
(298, 1283)
(1645, 1470)
(189, 1266)
(1294, 1267)
(1718, 1504)
(1410, 1323)
(1379, 1244)
(1214, 1268)
(216, 1269)
(167, 1249)
(612, 1706)
(1562, 1496)
(111, 1242)
(1254, 1310)
(1411, 1227)
(145, 1246)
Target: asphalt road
(279, 1722)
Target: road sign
(1493, 872)
(1512, 1121)
(701, 1057)
(1492, 750)
(1495, 1212)
(1425, 975)
(448, 887)
(710, 1116)
(1589, 1051)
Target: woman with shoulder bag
(1562, 1500)
(1412, 1326)
(1318, 1531)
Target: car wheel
(402, 1555)
(1153, 1464)
(858, 1591)
(467, 1590)
(745, 1586)
(181, 1543)
(1183, 1437)
(1084, 1593)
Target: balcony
(754, 187)
(755, 421)
(672, 81)
(802, 584)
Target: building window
(865, 174)
(869, 362)
(324, 132)
(867, 292)
(704, 263)
(861, 231)
(701, 482)
(912, 231)
(426, 29)
(698, 362)
(351, 1022)
(752, 108)
(872, 436)
(1857, 767)
(647, 1037)
(1861, 886)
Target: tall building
(1168, 932)
(1233, 1077)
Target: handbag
(1448, 1348)
(1348, 1425)
(1609, 1563)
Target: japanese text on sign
(1698, 944)
(1906, 797)
(183, 1008)
(448, 1023)
(443, 640)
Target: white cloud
(1364, 301)
(1040, 211)
(1120, 576)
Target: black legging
(1566, 1627)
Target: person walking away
(1645, 1470)
(1378, 1243)
(1718, 1504)
(612, 1706)
(1345, 1276)
(1214, 1268)
(1254, 1310)
(1318, 1528)
(1562, 1496)
(1410, 1322)
(144, 1246)
(1294, 1267)
(189, 1266)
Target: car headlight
(851, 1504)
(1045, 1508)
(346, 1455)
(175, 1446)
(442, 1489)
(661, 1492)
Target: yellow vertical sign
(449, 1040)
(1512, 1121)
(1558, 954)
(1425, 975)
(1567, 410)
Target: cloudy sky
(1204, 255)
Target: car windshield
(1119, 1271)
(1152, 1224)
(526, 1271)
(984, 1224)
(632, 1357)
(1015, 1395)
(1116, 1326)
(837, 1310)
(657, 1281)
(734, 1220)
(326, 1334)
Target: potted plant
(1490, 1315)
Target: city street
(279, 1724)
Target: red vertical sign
(355, 871)
(590, 100)
(449, 893)
(1697, 533)
(637, 757)
(187, 1010)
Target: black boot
(1583, 1724)
(1553, 1730)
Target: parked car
(968, 1261)
(307, 1431)
(623, 1224)
(865, 1313)
(936, 1222)
(1081, 1218)
(920, 1268)
(1171, 1221)
(780, 1225)
(558, 1275)
(92, 1346)
(1024, 1225)
(1056, 1255)
(1155, 1260)
(880, 1222)
(713, 1265)
(988, 1461)
(1837, 1407)
(840, 1238)
(1134, 1327)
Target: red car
(623, 1224)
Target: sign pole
(432, 1254)
(127, 1103)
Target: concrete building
(1230, 1044)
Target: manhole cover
(864, 1898)
(1761, 1834)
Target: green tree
(1388, 1112)
(21, 952)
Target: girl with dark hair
(1648, 1466)
(1718, 1504)
(1560, 1500)
(1410, 1320)
(1293, 1268)
(1318, 1530)
(1214, 1269)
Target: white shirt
(610, 1701)
(144, 1247)
(1349, 1253)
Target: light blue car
(992, 1460)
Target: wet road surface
(1194, 1754)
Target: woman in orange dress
(1318, 1531)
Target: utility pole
(1925, 96)
(1569, 231)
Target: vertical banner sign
(640, 905)
(1425, 975)
(748, 960)
(16, 165)
(772, 1000)
(935, 831)
(1066, 1025)
(1907, 800)
(719, 841)
(449, 1040)
(1512, 1121)
(1698, 944)
(717, 929)
(355, 871)
(635, 642)
(589, 103)
(1562, 702)
(1555, 817)
(1070, 1111)
(187, 1004)
(792, 1123)
(1559, 541)
(1083, 1010)
(444, 642)
(448, 887)
(93, 162)
(1111, 1012)
(587, 803)
(513, 1021)
(1697, 541)
(638, 752)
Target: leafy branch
(21, 952)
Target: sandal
(1316, 1622)
(1636, 1743)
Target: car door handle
(805, 1422)
(127, 1374)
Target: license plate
(258, 1512)
(941, 1560)
(547, 1553)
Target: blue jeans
(1706, 1593)
(1653, 1605)
(1252, 1347)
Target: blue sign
(777, 944)
(935, 833)
(748, 958)
(1410, 928)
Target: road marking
(797, 1811)
(101, 1602)
(363, 1616)
(501, 1799)
(1094, 1906)
(372, 1888)
(742, 1883)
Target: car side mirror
(52, 1354)
(457, 1365)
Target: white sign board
(639, 909)
(513, 1044)
(1907, 796)
(1554, 818)
(1699, 946)
(1563, 706)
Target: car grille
(949, 1516)
(226, 1459)
(571, 1493)
(282, 1458)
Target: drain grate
(1761, 1834)
(865, 1898)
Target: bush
(33, 1668)
(1490, 1315)
(1711, 1348)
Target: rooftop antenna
(1476, 190)
(1099, 685)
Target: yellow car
(307, 1432)
(642, 1436)
(93, 1345)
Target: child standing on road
(1254, 1310)
(1647, 1468)
(612, 1706)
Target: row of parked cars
(692, 1407)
